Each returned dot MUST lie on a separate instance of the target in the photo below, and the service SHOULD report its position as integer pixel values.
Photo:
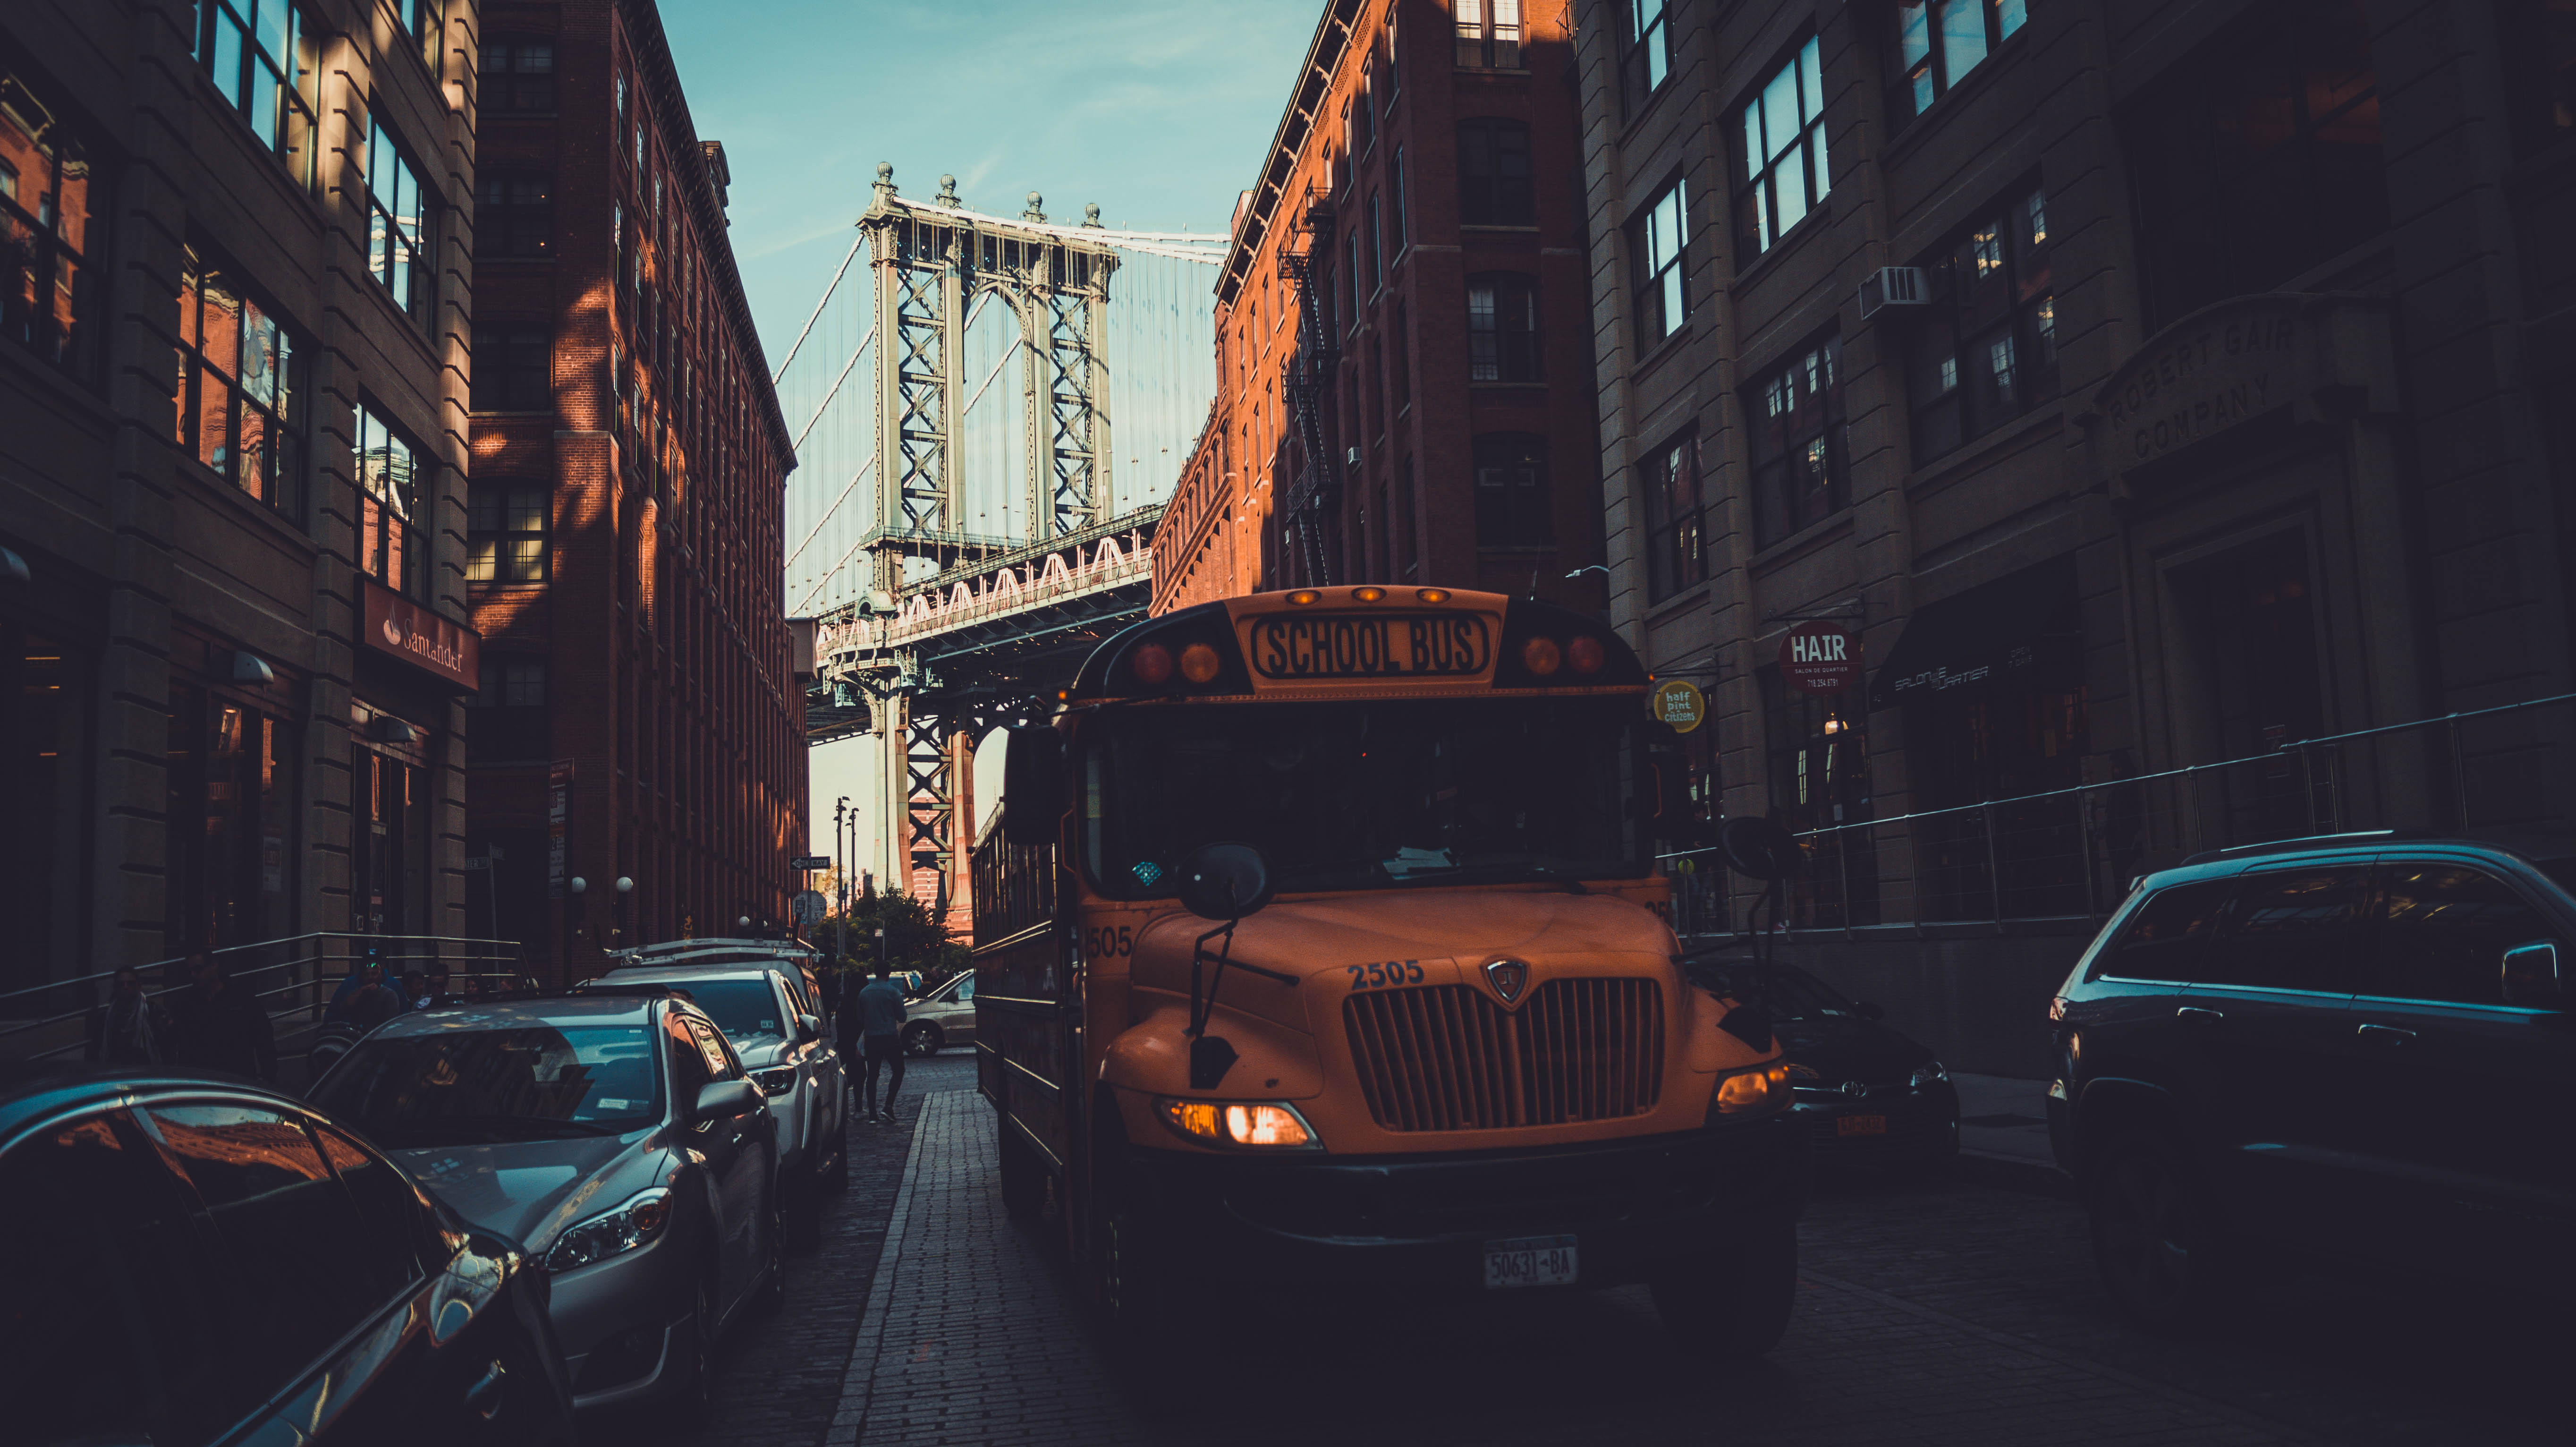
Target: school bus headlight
(1274, 1125)
(1748, 1093)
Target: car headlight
(612, 1232)
(1929, 1073)
(1265, 1125)
(775, 1081)
(1744, 1094)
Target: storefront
(48, 670)
(232, 806)
(411, 663)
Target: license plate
(1529, 1261)
(1860, 1125)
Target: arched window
(1494, 173)
(1502, 329)
(1511, 491)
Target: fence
(2070, 854)
(292, 977)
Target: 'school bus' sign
(1396, 645)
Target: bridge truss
(999, 546)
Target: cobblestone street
(1930, 1312)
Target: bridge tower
(933, 264)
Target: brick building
(639, 717)
(2135, 386)
(234, 278)
(1403, 343)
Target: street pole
(841, 950)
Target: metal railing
(2069, 855)
(292, 977)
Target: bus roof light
(1541, 656)
(1585, 654)
(1304, 596)
(1367, 595)
(1432, 595)
(1199, 663)
(1152, 665)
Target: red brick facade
(1428, 181)
(640, 716)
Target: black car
(2354, 1048)
(199, 1259)
(1869, 1095)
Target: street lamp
(625, 887)
(572, 922)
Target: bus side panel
(1021, 1061)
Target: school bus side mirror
(1032, 785)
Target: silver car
(618, 1138)
(944, 1017)
(771, 1012)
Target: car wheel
(693, 1398)
(2153, 1239)
(833, 1173)
(1161, 1318)
(921, 1039)
(773, 1286)
(1737, 1301)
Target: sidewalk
(2003, 1133)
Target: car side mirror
(1868, 1010)
(809, 1028)
(719, 1099)
(2531, 977)
(1032, 784)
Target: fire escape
(1317, 487)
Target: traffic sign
(810, 862)
(1678, 701)
(811, 906)
(1819, 657)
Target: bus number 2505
(1379, 975)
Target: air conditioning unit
(1352, 461)
(1893, 286)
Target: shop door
(388, 883)
(2252, 611)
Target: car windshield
(1365, 795)
(484, 1086)
(1786, 995)
(740, 1008)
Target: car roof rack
(2311, 841)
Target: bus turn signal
(1275, 1126)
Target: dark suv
(2354, 1047)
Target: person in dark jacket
(221, 1027)
(131, 1028)
(374, 1001)
(363, 971)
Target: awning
(1995, 633)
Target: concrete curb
(850, 1414)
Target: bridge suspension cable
(855, 353)
(807, 329)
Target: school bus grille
(1447, 1057)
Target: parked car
(944, 1017)
(1869, 1094)
(618, 1136)
(2353, 1047)
(774, 1016)
(200, 1259)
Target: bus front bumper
(1634, 1206)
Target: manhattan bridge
(963, 530)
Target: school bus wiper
(1546, 873)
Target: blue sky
(1156, 109)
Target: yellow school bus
(1321, 942)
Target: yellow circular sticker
(1680, 703)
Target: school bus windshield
(1366, 795)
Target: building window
(398, 227)
(1407, 555)
(50, 201)
(1364, 116)
(1940, 41)
(1511, 491)
(1660, 241)
(1502, 329)
(1985, 350)
(1403, 378)
(1800, 444)
(514, 214)
(505, 534)
(263, 62)
(388, 507)
(1489, 34)
(1494, 174)
(2539, 70)
(2260, 159)
(509, 719)
(429, 23)
(1676, 554)
(237, 373)
(518, 74)
(1784, 153)
(513, 369)
(1819, 768)
(1403, 211)
(1351, 268)
(1650, 49)
(1377, 247)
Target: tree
(915, 938)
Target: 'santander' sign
(395, 625)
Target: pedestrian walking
(881, 1037)
(220, 1026)
(847, 1013)
(131, 1028)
